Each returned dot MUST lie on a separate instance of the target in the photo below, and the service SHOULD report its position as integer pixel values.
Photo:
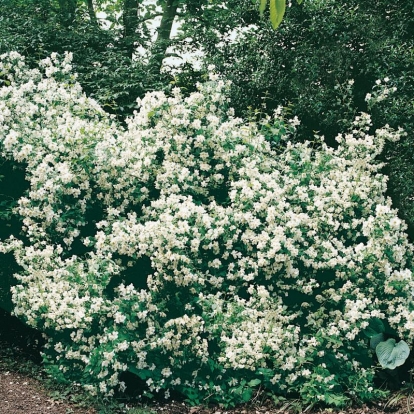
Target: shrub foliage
(188, 250)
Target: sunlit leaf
(277, 11)
(262, 7)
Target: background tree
(104, 51)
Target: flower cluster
(381, 91)
(185, 249)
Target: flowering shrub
(185, 249)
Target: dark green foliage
(308, 62)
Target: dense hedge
(203, 253)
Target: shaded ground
(24, 389)
(21, 394)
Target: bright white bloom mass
(185, 246)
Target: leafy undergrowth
(20, 348)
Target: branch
(153, 16)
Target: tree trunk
(130, 19)
(91, 12)
(67, 10)
(163, 35)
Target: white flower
(205, 236)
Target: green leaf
(375, 327)
(300, 1)
(254, 382)
(148, 394)
(247, 394)
(375, 340)
(141, 373)
(262, 7)
(238, 390)
(277, 11)
(391, 355)
(335, 399)
(273, 13)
